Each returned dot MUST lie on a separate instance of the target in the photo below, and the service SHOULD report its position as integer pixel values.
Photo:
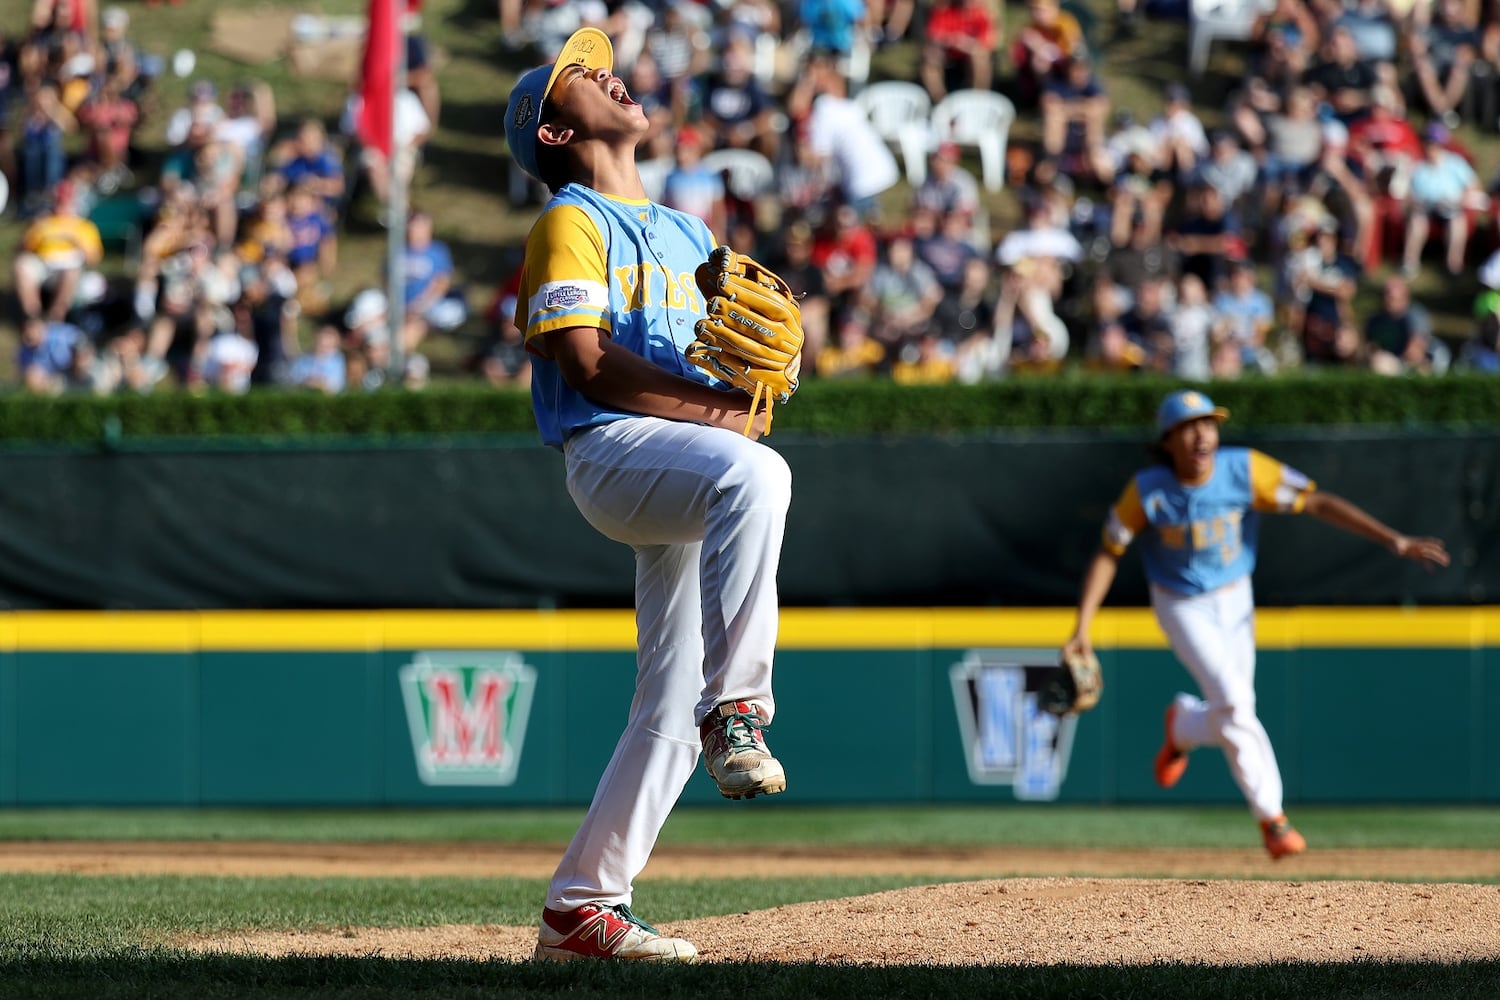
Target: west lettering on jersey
(640, 290)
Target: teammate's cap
(588, 47)
(1184, 405)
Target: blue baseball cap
(588, 47)
(1184, 405)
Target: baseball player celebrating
(659, 456)
(1197, 515)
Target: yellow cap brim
(1219, 413)
(588, 47)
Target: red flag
(373, 126)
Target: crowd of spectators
(236, 224)
(1180, 237)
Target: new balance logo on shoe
(734, 751)
(597, 931)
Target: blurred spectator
(249, 117)
(322, 368)
(901, 295)
(1383, 143)
(309, 161)
(110, 117)
(1049, 38)
(1027, 328)
(853, 354)
(680, 47)
(433, 297)
(967, 310)
(1342, 79)
(691, 186)
(1323, 281)
(1372, 30)
(1039, 237)
(420, 77)
(45, 357)
(928, 360)
(948, 187)
(1481, 352)
(1288, 34)
(1397, 336)
(832, 24)
(1344, 191)
(130, 69)
(1442, 54)
(1444, 188)
(1148, 322)
(806, 180)
(1207, 236)
(737, 112)
(958, 52)
(193, 125)
(1074, 109)
(42, 160)
(313, 251)
(1292, 141)
(1192, 329)
(506, 363)
(839, 132)
(56, 249)
(227, 360)
(947, 251)
(1244, 316)
(216, 173)
(1229, 170)
(845, 251)
(412, 130)
(1180, 137)
(795, 265)
(647, 89)
(121, 366)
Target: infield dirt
(1034, 906)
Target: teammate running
(656, 459)
(1197, 513)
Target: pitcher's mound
(1029, 921)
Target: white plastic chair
(1219, 20)
(654, 175)
(981, 119)
(750, 174)
(901, 113)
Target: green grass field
(97, 936)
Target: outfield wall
(917, 706)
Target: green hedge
(821, 407)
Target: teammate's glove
(1073, 686)
(752, 335)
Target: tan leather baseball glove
(751, 336)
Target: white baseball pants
(705, 509)
(1213, 635)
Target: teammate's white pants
(704, 508)
(1213, 635)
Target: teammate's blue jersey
(1198, 537)
(619, 265)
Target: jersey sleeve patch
(564, 282)
(1277, 488)
(1127, 518)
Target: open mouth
(619, 94)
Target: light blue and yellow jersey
(1203, 535)
(618, 265)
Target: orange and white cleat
(1281, 838)
(1170, 762)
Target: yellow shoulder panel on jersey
(565, 280)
